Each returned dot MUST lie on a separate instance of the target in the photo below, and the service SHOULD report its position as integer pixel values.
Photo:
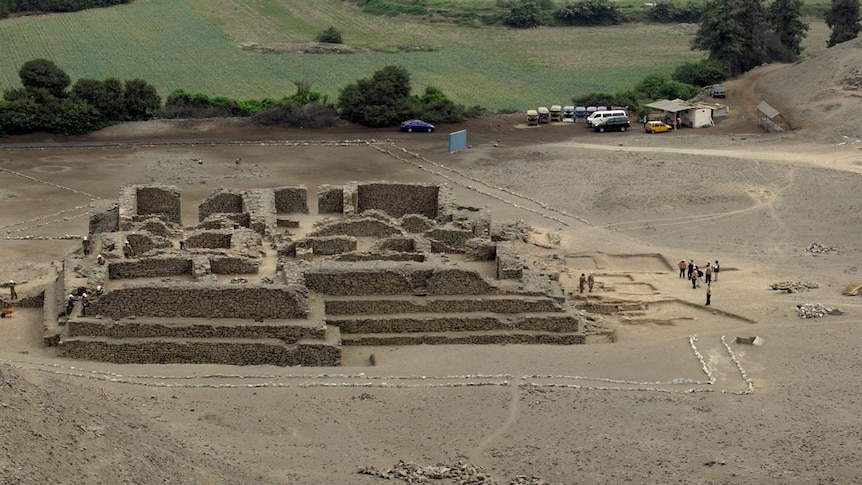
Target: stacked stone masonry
(369, 266)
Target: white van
(598, 117)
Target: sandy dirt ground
(674, 399)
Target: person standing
(708, 294)
(85, 245)
(582, 283)
(85, 303)
(591, 280)
(690, 267)
(715, 269)
(693, 278)
(12, 293)
(682, 268)
(70, 304)
(708, 273)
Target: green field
(207, 46)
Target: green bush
(588, 12)
(379, 101)
(294, 114)
(525, 15)
(667, 11)
(331, 35)
(659, 86)
(392, 8)
(701, 73)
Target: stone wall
(159, 228)
(169, 328)
(234, 265)
(509, 265)
(324, 246)
(209, 239)
(226, 221)
(266, 352)
(449, 235)
(162, 201)
(220, 202)
(386, 278)
(356, 226)
(149, 267)
(330, 200)
(290, 200)
(415, 223)
(142, 242)
(397, 243)
(380, 256)
(191, 300)
(398, 199)
(509, 304)
(452, 323)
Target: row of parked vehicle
(600, 118)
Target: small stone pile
(794, 286)
(818, 248)
(816, 310)
(461, 474)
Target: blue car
(416, 125)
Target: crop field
(214, 47)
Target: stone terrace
(259, 280)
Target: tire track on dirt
(511, 418)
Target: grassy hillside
(208, 46)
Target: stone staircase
(460, 319)
(231, 341)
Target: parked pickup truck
(717, 91)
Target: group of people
(586, 281)
(693, 273)
(81, 294)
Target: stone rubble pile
(461, 474)
(793, 286)
(816, 310)
(818, 248)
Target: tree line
(48, 101)
(8, 7)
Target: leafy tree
(785, 17)
(42, 73)
(843, 19)
(75, 117)
(658, 86)
(701, 73)
(525, 15)
(19, 116)
(379, 101)
(588, 12)
(435, 107)
(141, 99)
(330, 35)
(734, 33)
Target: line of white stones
(603, 388)
(34, 226)
(402, 386)
(749, 383)
(34, 179)
(36, 219)
(475, 189)
(691, 340)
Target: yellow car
(657, 127)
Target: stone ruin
(262, 280)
